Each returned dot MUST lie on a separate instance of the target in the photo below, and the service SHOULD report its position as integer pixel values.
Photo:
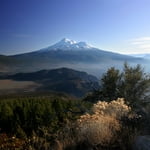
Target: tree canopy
(132, 83)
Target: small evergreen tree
(135, 85)
(110, 84)
(132, 83)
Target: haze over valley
(70, 54)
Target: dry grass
(101, 128)
(98, 129)
(8, 86)
(116, 108)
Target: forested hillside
(102, 120)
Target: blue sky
(121, 26)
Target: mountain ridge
(83, 58)
(65, 80)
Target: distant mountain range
(59, 80)
(70, 54)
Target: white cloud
(141, 39)
(141, 44)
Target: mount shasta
(70, 54)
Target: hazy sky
(121, 26)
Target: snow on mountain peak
(65, 40)
(67, 44)
(84, 45)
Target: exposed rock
(142, 143)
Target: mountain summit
(67, 44)
(69, 54)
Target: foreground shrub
(11, 143)
(116, 108)
(100, 128)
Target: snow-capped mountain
(69, 54)
(67, 44)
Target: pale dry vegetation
(100, 128)
(11, 86)
(116, 108)
(97, 129)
